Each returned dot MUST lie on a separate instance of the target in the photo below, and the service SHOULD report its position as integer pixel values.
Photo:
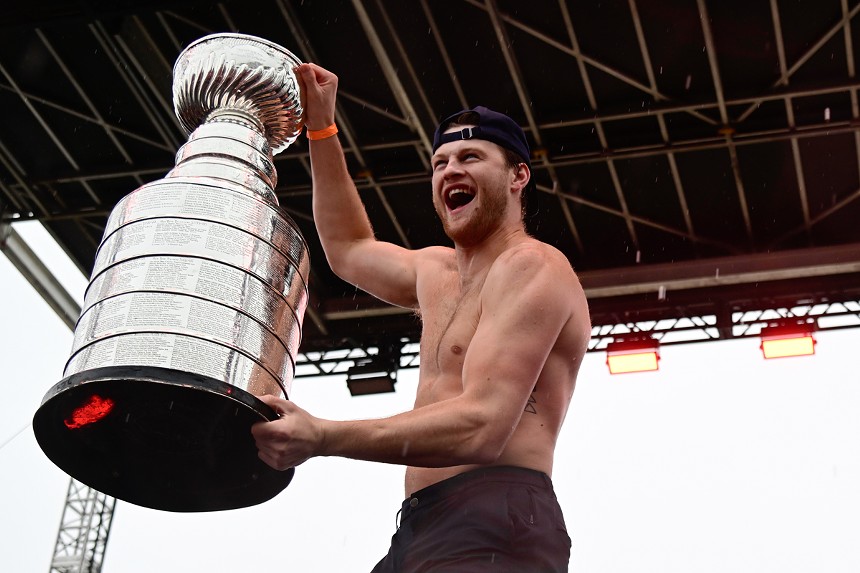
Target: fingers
(279, 405)
(273, 438)
(272, 446)
(313, 78)
(318, 92)
(303, 98)
(314, 74)
(277, 452)
(306, 72)
(273, 462)
(289, 440)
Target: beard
(483, 219)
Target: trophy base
(159, 438)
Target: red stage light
(789, 345)
(785, 338)
(90, 412)
(633, 354)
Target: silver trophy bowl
(195, 303)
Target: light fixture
(375, 374)
(633, 353)
(788, 337)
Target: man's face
(471, 188)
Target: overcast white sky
(719, 462)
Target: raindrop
(688, 82)
(826, 114)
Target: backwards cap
(491, 126)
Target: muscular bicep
(390, 272)
(523, 310)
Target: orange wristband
(314, 134)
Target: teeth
(458, 191)
(458, 196)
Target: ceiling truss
(623, 117)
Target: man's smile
(457, 196)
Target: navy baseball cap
(491, 126)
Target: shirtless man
(505, 327)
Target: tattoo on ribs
(530, 406)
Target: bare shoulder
(540, 280)
(538, 262)
(437, 255)
(431, 260)
(435, 271)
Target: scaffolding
(84, 529)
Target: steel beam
(38, 275)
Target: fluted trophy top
(242, 73)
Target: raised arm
(384, 270)
(526, 304)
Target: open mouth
(458, 197)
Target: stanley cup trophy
(195, 303)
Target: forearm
(339, 214)
(439, 435)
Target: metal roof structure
(697, 161)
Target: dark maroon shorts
(499, 519)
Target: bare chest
(450, 316)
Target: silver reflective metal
(195, 303)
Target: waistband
(426, 497)
(439, 490)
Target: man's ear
(521, 177)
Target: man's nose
(452, 168)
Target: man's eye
(438, 165)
